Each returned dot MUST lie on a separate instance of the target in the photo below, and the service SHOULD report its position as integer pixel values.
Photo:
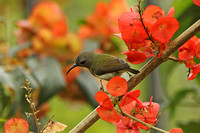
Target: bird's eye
(82, 62)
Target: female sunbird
(102, 66)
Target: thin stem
(32, 105)
(176, 59)
(141, 19)
(47, 124)
(120, 109)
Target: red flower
(46, 14)
(16, 125)
(187, 50)
(190, 62)
(126, 125)
(197, 2)
(106, 110)
(135, 57)
(164, 29)
(176, 130)
(151, 15)
(131, 28)
(195, 70)
(128, 129)
(117, 86)
(148, 114)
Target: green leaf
(90, 88)
(191, 127)
(4, 101)
(49, 75)
(177, 99)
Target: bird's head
(83, 60)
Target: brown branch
(144, 72)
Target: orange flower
(16, 125)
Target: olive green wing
(112, 64)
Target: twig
(141, 19)
(47, 124)
(175, 59)
(144, 72)
(29, 99)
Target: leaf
(177, 99)
(4, 102)
(49, 75)
(89, 89)
(13, 80)
(190, 127)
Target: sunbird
(102, 66)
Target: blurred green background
(71, 102)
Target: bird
(102, 66)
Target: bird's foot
(129, 74)
(101, 88)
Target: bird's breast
(108, 76)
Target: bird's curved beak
(73, 66)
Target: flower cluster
(147, 32)
(46, 29)
(130, 104)
(188, 52)
(102, 24)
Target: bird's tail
(133, 71)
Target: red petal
(108, 115)
(134, 46)
(152, 14)
(187, 50)
(117, 86)
(104, 100)
(164, 29)
(129, 97)
(197, 2)
(135, 57)
(197, 48)
(16, 125)
(59, 29)
(45, 14)
(148, 51)
(176, 130)
(190, 63)
(195, 70)
(148, 114)
(131, 28)
(171, 12)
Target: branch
(144, 72)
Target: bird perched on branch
(102, 66)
